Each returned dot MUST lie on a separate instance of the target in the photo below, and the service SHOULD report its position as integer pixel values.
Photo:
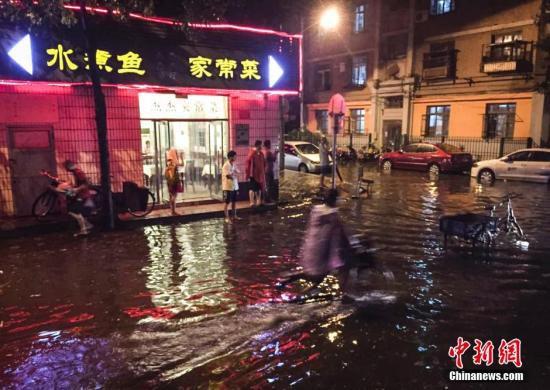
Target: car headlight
(475, 165)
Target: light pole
(330, 19)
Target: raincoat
(326, 246)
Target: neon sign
(21, 53)
(232, 60)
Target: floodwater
(194, 305)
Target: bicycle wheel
(148, 208)
(44, 205)
(485, 238)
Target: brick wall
(261, 113)
(70, 111)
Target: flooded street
(194, 305)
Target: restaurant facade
(202, 92)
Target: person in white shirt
(230, 185)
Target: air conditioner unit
(421, 16)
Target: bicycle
(481, 228)
(135, 200)
(52, 202)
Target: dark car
(434, 158)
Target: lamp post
(330, 19)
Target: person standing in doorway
(230, 185)
(270, 159)
(255, 171)
(173, 182)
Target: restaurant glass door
(201, 147)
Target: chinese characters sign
(153, 59)
(509, 352)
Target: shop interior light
(21, 53)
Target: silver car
(302, 156)
(526, 164)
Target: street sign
(337, 110)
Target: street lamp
(330, 19)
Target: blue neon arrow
(275, 71)
(21, 53)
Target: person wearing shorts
(255, 171)
(230, 185)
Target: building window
(359, 71)
(440, 7)
(321, 117)
(504, 48)
(357, 118)
(500, 120)
(440, 61)
(359, 23)
(507, 37)
(202, 138)
(322, 78)
(395, 47)
(437, 121)
(393, 102)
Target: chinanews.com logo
(508, 353)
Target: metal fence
(480, 148)
(355, 140)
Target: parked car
(434, 158)
(302, 156)
(525, 164)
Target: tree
(55, 13)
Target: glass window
(449, 148)
(519, 156)
(289, 149)
(323, 78)
(412, 148)
(321, 116)
(307, 149)
(393, 102)
(437, 121)
(426, 148)
(507, 37)
(357, 120)
(359, 23)
(540, 156)
(395, 46)
(440, 7)
(500, 120)
(359, 71)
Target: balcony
(439, 65)
(508, 57)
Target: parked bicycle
(481, 228)
(138, 201)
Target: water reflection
(193, 306)
(187, 270)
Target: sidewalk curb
(61, 226)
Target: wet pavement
(194, 305)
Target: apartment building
(430, 68)
(368, 59)
(479, 73)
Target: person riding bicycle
(79, 198)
